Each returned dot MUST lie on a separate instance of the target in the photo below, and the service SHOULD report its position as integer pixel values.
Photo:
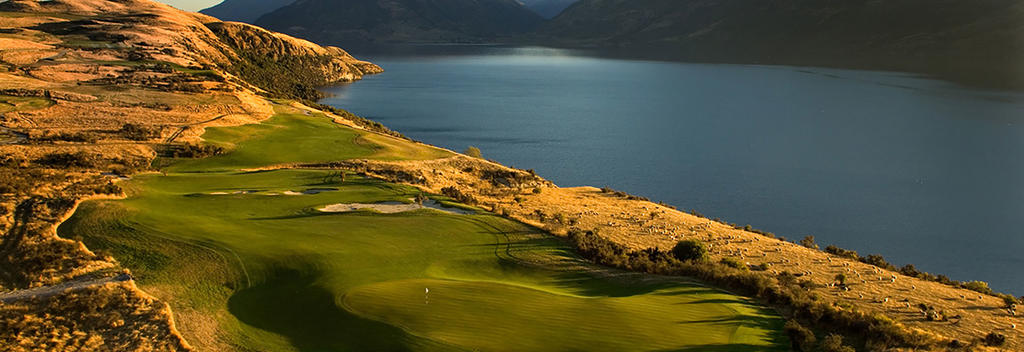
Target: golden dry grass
(642, 224)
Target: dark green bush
(690, 250)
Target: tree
(693, 250)
(802, 338)
(473, 152)
(809, 242)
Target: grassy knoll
(247, 265)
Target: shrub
(808, 242)
(137, 132)
(978, 286)
(842, 252)
(834, 343)
(536, 190)
(734, 263)
(473, 152)
(690, 250)
(877, 260)
(802, 338)
(994, 339)
(841, 278)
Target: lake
(921, 171)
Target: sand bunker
(391, 207)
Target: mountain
(369, 21)
(978, 39)
(244, 10)
(547, 8)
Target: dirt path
(47, 291)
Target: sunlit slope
(246, 261)
(296, 137)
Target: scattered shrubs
(842, 252)
(68, 160)
(784, 291)
(455, 193)
(82, 137)
(690, 250)
(359, 120)
(801, 337)
(137, 132)
(196, 151)
(473, 152)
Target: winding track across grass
(359, 280)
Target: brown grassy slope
(642, 224)
(77, 77)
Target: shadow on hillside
(292, 303)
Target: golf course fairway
(247, 262)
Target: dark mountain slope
(975, 39)
(547, 8)
(244, 10)
(367, 21)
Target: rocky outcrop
(332, 63)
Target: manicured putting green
(244, 263)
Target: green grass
(268, 272)
(11, 103)
(298, 138)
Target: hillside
(169, 186)
(244, 11)
(377, 21)
(964, 40)
(93, 89)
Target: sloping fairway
(294, 137)
(247, 262)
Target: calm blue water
(920, 171)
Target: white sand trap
(292, 193)
(218, 193)
(391, 207)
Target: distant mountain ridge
(976, 37)
(342, 21)
(244, 10)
